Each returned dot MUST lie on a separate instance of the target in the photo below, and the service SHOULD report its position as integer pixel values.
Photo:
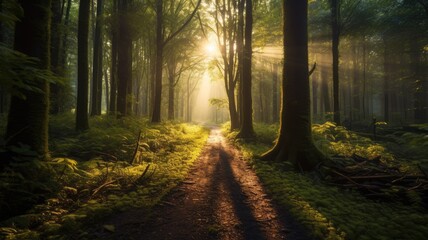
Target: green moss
(103, 181)
(328, 212)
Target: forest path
(222, 198)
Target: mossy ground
(329, 212)
(96, 177)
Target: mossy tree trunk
(82, 122)
(28, 117)
(294, 143)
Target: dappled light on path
(215, 137)
(221, 198)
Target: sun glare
(210, 48)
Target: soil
(222, 198)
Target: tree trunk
(234, 121)
(247, 130)
(295, 142)
(107, 89)
(124, 59)
(2, 90)
(188, 98)
(97, 71)
(82, 67)
(275, 111)
(28, 117)
(157, 103)
(335, 13)
(171, 66)
(114, 53)
(364, 105)
(240, 53)
(355, 85)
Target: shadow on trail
(225, 179)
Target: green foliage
(219, 103)
(105, 182)
(20, 72)
(24, 182)
(337, 140)
(11, 11)
(326, 211)
(334, 214)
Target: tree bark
(157, 100)
(114, 53)
(82, 67)
(356, 111)
(160, 44)
(335, 14)
(171, 89)
(247, 130)
(2, 90)
(124, 60)
(97, 71)
(240, 54)
(28, 117)
(294, 143)
(275, 117)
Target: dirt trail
(221, 198)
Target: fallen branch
(103, 186)
(137, 148)
(140, 179)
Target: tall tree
(226, 31)
(247, 130)
(97, 71)
(157, 98)
(335, 31)
(294, 143)
(28, 116)
(114, 52)
(2, 90)
(82, 122)
(161, 42)
(124, 58)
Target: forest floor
(222, 198)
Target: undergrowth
(329, 212)
(96, 178)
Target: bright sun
(210, 48)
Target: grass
(326, 211)
(96, 178)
